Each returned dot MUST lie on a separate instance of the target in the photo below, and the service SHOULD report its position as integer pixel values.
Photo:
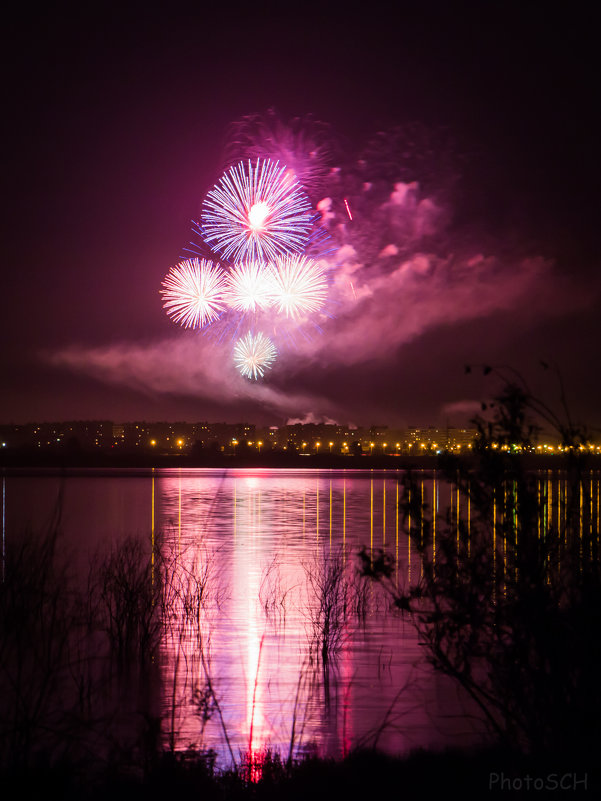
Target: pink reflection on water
(238, 674)
(259, 537)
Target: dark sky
(115, 127)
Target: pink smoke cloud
(189, 364)
(311, 418)
(396, 276)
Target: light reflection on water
(265, 534)
(261, 540)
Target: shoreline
(23, 461)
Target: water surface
(251, 673)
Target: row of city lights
(433, 446)
(422, 445)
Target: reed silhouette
(39, 623)
(328, 604)
(509, 599)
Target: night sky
(476, 127)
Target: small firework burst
(248, 287)
(254, 354)
(256, 212)
(298, 286)
(193, 293)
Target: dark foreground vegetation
(509, 599)
(488, 773)
(508, 604)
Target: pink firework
(256, 213)
(248, 287)
(298, 286)
(193, 293)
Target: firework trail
(299, 286)
(248, 287)
(196, 247)
(193, 293)
(253, 355)
(307, 145)
(256, 213)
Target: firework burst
(307, 145)
(298, 286)
(253, 355)
(248, 287)
(256, 213)
(193, 293)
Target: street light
(259, 443)
(317, 446)
(331, 443)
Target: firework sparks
(256, 213)
(253, 355)
(248, 287)
(299, 286)
(193, 293)
(307, 145)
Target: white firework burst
(248, 287)
(256, 213)
(254, 354)
(298, 286)
(193, 293)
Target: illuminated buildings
(316, 439)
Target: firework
(307, 145)
(256, 213)
(193, 293)
(248, 287)
(254, 354)
(298, 286)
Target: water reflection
(300, 655)
(269, 639)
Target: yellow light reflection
(330, 514)
(434, 510)
(317, 510)
(371, 517)
(396, 530)
(152, 546)
(344, 517)
(384, 513)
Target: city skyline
(235, 439)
